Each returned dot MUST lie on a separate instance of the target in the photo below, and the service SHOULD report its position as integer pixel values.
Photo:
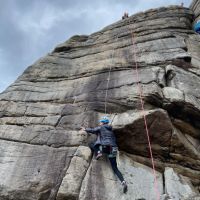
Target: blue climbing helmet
(104, 120)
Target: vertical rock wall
(44, 155)
(195, 6)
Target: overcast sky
(29, 29)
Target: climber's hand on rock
(82, 128)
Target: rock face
(43, 153)
(195, 6)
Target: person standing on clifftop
(106, 143)
(125, 15)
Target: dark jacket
(105, 135)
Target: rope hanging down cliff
(143, 112)
(108, 79)
(142, 106)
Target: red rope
(145, 121)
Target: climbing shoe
(99, 155)
(125, 187)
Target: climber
(125, 15)
(197, 27)
(106, 143)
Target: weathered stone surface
(195, 6)
(72, 181)
(183, 80)
(184, 150)
(31, 171)
(176, 186)
(130, 125)
(42, 111)
(193, 45)
(100, 183)
(42, 135)
(173, 95)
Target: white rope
(108, 80)
(75, 98)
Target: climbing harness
(109, 150)
(143, 112)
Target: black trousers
(96, 148)
(107, 150)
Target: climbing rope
(108, 79)
(144, 116)
(142, 106)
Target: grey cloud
(31, 29)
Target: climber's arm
(95, 130)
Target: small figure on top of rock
(106, 144)
(125, 15)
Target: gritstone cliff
(44, 156)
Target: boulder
(178, 187)
(100, 182)
(71, 183)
